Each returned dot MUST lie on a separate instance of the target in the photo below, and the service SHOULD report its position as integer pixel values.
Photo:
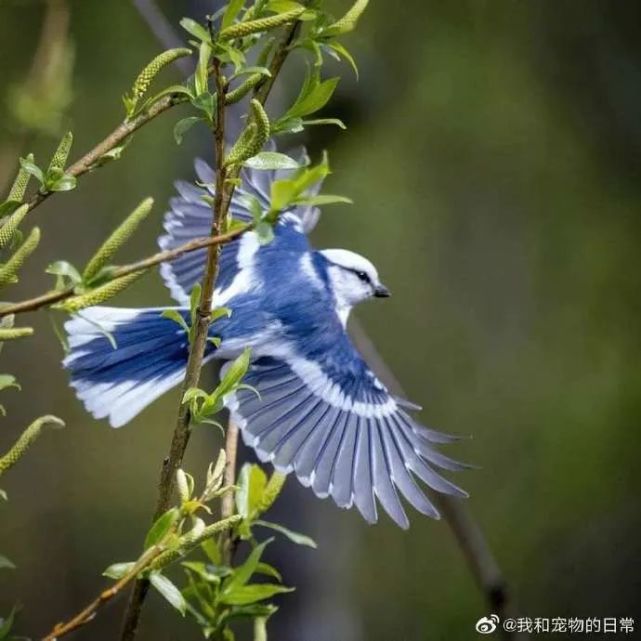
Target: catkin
(151, 70)
(117, 239)
(26, 439)
(242, 29)
(10, 225)
(100, 294)
(20, 183)
(11, 333)
(253, 138)
(59, 158)
(11, 267)
(242, 90)
(348, 21)
(271, 491)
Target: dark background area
(493, 157)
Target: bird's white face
(353, 279)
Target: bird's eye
(363, 276)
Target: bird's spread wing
(333, 423)
(190, 217)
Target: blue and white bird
(321, 413)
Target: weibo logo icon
(487, 625)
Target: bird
(310, 404)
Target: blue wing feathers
(382, 482)
(355, 458)
(341, 483)
(362, 473)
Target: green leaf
(194, 300)
(317, 98)
(252, 593)
(161, 527)
(169, 591)
(6, 380)
(288, 125)
(233, 8)
(195, 29)
(6, 564)
(219, 312)
(118, 570)
(32, 169)
(282, 193)
(65, 183)
(211, 549)
(206, 102)
(252, 204)
(177, 317)
(263, 71)
(265, 232)
(282, 6)
(342, 52)
(325, 121)
(271, 160)
(324, 199)
(183, 126)
(201, 75)
(294, 537)
(107, 334)
(234, 373)
(231, 54)
(268, 570)
(313, 95)
(244, 572)
(252, 481)
(3, 495)
(67, 275)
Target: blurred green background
(493, 156)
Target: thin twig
(49, 298)
(154, 559)
(118, 136)
(88, 613)
(227, 503)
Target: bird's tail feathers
(121, 360)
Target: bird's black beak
(380, 291)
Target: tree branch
(113, 140)
(49, 298)
(225, 182)
(154, 559)
(181, 433)
(88, 613)
(227, 504)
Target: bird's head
(352, 279)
